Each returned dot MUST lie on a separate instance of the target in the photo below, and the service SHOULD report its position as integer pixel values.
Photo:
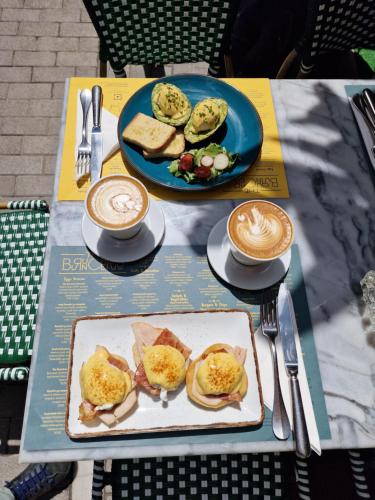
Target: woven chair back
(161, 31)
(23, 233)
(337, 25)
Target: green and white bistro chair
(156, 32)
(23, 234)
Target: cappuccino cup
(259, 231)
(118, 204)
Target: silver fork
(268, 319)
(84, 149)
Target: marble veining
(332, 205)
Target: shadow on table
(124, 269)
(331, 186)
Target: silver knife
(96, 135)
(287, 328)
(369, 103)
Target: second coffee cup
(259, 231)
(118, 204)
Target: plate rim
(183, 428)
(188, 187)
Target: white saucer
(236, 274)
(114, 250)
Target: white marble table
(332, 203)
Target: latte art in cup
(117, 202)
(260, 230)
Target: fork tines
(82, 165)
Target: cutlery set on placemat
(277, 317)
(90, 156)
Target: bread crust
(164, 153)
(167, 136)
(190, 378)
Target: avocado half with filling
(170, 105)
(207, 116)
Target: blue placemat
(174, 278)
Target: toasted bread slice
(148, 133)
(172, 150)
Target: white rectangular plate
(198, 330)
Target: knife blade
(369, 102)
(96, 135)
(287, 330)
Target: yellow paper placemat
(265, 179)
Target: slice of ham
(144, 333)
(141, 379)
(87, 411)
(235, 396)
(166, 337)
(121, 364)
(240, 354)
(213, 400)
(110, 418)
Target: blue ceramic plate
(241, 132)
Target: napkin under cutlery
(109, 130)
(266, 371)
(366, 135)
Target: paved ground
(42, 42)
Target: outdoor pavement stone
(6, 57)
(20, 15)
(85, 18)
(73, 4)
(34, 185)
(45, 107)
(8, 28)
(77, 29)
(49, 166)
(18, 42)
(89, 44)
(15, 74)
(54, 125)
(58, 90)
(39, 29)
(60, 15)
(34, 58)
(16, 165)
(52, 74)
(12, 3)
(43, 4)
(3, 90)
(57, 44)
(39, 144)
(86, 71)
(77, 59)
(24, 125)
(14, 107)
(10, 145)
(30, 90)
(7, 185)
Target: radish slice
(207, 161)
(221, 161)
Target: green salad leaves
(203, 164)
